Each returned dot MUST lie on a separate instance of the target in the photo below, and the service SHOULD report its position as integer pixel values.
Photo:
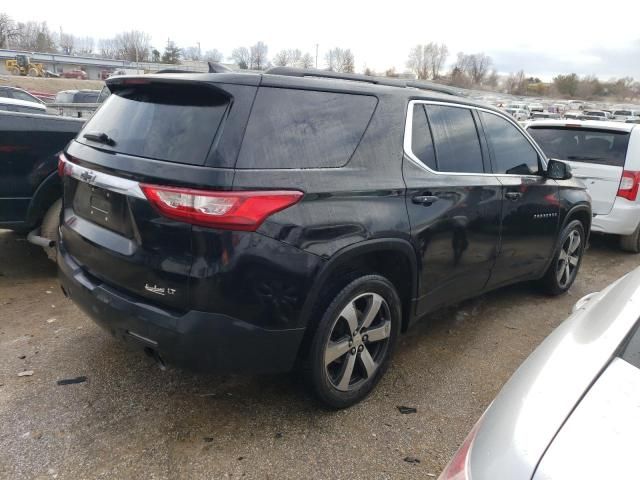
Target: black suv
(257, 222)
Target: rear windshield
(604, 147)
(304, 129)
(176, 123)
(622, 112)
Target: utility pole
(316, 55)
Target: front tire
(354, 341)
(566, 261)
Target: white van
(605, 155)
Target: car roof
(592, 124)
(22, 103)
(321, 80)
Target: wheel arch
(392, 258)
(49, 190)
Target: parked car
(606, 156)
(20, 106)
(623, 115)
(77, 73)
(571, 409)
(18, 94)
(30, 188)
(540, 115)
(77, 96)
(536, 107)
(291, 229)
(594, 115)
(518, 113)
(573, 115)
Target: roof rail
(355, 77)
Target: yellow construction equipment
(21, 65)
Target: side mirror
(557, 170)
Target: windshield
(622, 112)
(604, 147)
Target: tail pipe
(35, 238)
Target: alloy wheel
(358, 342)
(568, 259)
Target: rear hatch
(172, 132)
(596, 155)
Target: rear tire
(631, 243)
(49, 227)
(566, 261)
(354, 340)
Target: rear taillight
(62, 165)
(458, 467)
(629, 185)
(225, 210)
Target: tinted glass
(604, 147)
(304, 129)
(512, 152)
(622, 112)
(160, 121)
(631, 351)
(4, 93)
(421, 141)
(18, 95)
(456, 139)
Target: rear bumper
(199, 341)
(623, 219)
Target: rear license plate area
(103, 207)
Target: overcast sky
(550, 37)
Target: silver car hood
(522, 421)
(600, 438)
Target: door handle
(513, 195)
(425, 200)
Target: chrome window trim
(408, 132)
(104, 180)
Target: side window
(512, 152)
(421, 141)
(456, 139)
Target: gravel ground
(131, 420)
(49, 85)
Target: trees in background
(340, 60)
(172, 53)
(242, 57)
(427, 61)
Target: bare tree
(439, 56)
(107, 48)
(213, 55)
(67, 43)
(192, 53)
(258, 56)
(418, 62)
(426, 61)
(241, 56)
(340, 60)
(293, 58)
(83, 45)
(307, 61)
(133, 46)
(35, 37)
(474, 66)
(8, 30)
(516, 83)
(493, 79)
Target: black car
(261, 222)
(30, 188)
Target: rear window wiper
(100, 138)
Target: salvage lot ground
(131, 420)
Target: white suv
(605, 155)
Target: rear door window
(604, 147)
(304, 128)
(175, 123)
(455, 137)
(421, 139)
(512, 153)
